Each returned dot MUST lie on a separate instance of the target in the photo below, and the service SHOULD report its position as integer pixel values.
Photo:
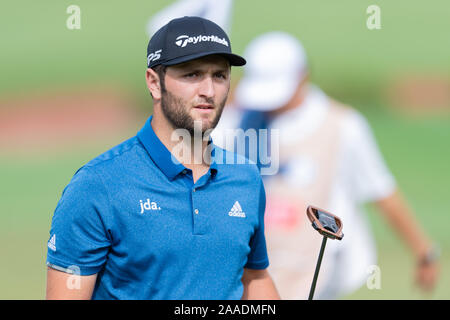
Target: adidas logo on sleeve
(236, 211)
(52, 243)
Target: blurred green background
(39, 54)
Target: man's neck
(188, 149)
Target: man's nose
(206, 88)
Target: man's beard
(177, 113)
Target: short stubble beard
(176, 112)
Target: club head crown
(326, 223)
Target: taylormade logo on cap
(183, 40)
(188, 38)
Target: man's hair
(161, 72)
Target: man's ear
(153, 83)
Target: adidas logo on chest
(236, 211)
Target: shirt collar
(213, 165)
(162, 157)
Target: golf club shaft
(316, 273)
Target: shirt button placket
(198, 218)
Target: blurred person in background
(328, 157)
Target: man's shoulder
(352, 123)
(123, 152)
(355, 124)
(110, 162)
(93, 183)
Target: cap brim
(234, 59)
(259, 93)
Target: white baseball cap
(276, 63)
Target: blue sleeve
(257, 258)
(78, 237)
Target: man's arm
(400, 217)
(258, 285)
(372, 181)
(65, 286)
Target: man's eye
(191, 75)
(221, 76)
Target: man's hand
(63, 286)
(258, 285)
(427, 275)
(402, 219)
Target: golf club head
(326, 223)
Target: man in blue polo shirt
(144, 221)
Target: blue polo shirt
(136, 218)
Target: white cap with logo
(276, 63)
